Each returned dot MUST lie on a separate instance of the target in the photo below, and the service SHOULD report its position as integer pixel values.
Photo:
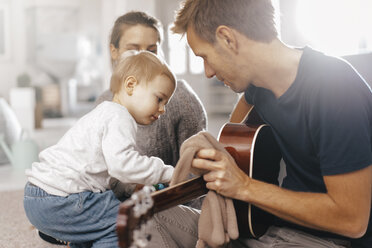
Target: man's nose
(209, 72)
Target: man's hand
(224, 176)
(343, 210)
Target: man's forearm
(347, 216)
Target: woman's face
(137, 37)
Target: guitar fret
(178, 194)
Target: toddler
(67, 195)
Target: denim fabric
(84, 219)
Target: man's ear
(114, 52)
(227, 38)
(129, 84)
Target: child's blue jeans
(84, 219)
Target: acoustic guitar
(255, 151)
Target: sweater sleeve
(123, 160)
(193, 117)
(105, 96)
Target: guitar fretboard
(178, 194)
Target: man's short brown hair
(253, 18)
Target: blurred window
(337, 27)
(181, 58)
(177, 52)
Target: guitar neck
(178, 194)
(244, 142)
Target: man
(320, 111)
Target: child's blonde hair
(142, 65)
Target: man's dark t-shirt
(322, 123)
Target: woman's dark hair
(133, 18)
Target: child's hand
(160, 186)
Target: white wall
(14, 64)
(108, 11)
(17, 62)
(95, 17)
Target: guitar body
(256, 152)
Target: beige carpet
(15, 229)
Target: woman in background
(185, 115)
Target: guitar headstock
(134, 215)
(136, 212)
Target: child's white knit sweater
(101, 145)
